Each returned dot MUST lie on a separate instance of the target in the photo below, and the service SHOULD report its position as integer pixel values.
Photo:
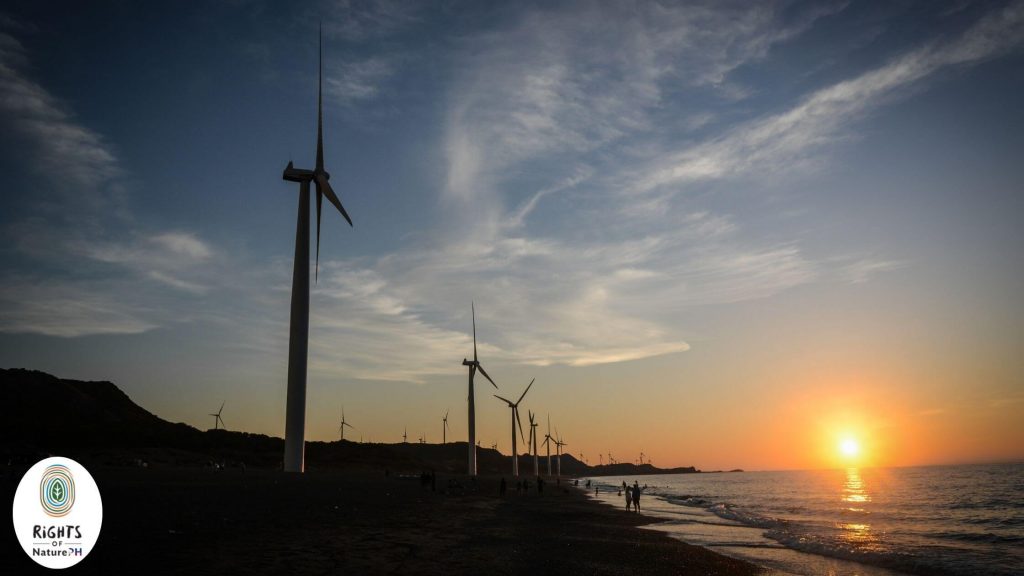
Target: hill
(97, 422)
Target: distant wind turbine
(298, 340)
(341, 427)
(533, 442)
(548, 440)
(444, 429)
(217, 419)
(515, 419)
(474, 365)
(558, 446)
(405, 435)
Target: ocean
(936, 520)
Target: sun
(849, 447)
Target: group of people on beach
(632, 495)
(522, 486)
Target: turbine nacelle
(293, 174)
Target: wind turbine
(405, 435)
(298, 339)
(217, 419)
(515, 419)
(558, 447)
(547, 442)
(445, 428)
(474, 365)
(341, 427)
(533, 442)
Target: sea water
(942, 520)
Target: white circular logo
(57, 512)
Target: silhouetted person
(636, 496)
(629, 497)
(540, 485)
(596, 489)
(502, 486)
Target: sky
(721, 234)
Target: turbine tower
(445, 428)
(341, 427)
(515, 419)
(298, 339)
(217, 419)
(533, 442)
(474, 365)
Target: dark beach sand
(195, 521)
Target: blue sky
(676, 200)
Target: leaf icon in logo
(57, 492)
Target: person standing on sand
(501, 487)
(629, 499)
(636, 496)
(596, 489)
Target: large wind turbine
(533, 442)
(515, 419)
(474, 365)
(217, 419)
(444, 429)
(341, 427)
(298, 340)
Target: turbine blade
(221, 407)
(316, 273)
(323, 186)
(473, 308)
(524, 392)
(484, 372)
(320, 106)
(505, 399)
(520, 422)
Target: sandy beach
(196, 521)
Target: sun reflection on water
(855, 495)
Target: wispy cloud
(352, 81)
(782, 140)
(80, 216)
(67, 309)
(66, 154)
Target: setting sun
(849, 447)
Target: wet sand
(196, 521)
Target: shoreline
(197, 521)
